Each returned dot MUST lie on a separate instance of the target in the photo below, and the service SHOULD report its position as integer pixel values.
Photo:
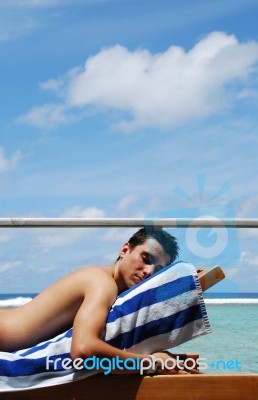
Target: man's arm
(90, 321)
(89, 325)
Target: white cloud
(80, 212)
(9, 163)
(249, 207)
(52, 238)
(47, 116)
(245, 274)
(34, 4)
(28, 3)
(110, 257)
(9, 265)
(249, 259)
(9, 30)
(59, 238)
(248, 233)
(43, 3)
(118, 235)
(18, 17)
(163, 89)
(125, 203)
(248, 93)
(59, 85)
(4, 237)
(232, 272)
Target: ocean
(232, 347)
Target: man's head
(167, 241)
(147, 251)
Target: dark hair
(167, 241)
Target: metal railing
(128, 222)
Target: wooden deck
(192, 387)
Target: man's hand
(172, 364)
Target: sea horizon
(8, 300)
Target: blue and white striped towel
(162, 312)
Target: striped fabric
(163, 311)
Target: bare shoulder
(73, 288)
(96, 280)
(94, 273)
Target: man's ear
(124, 250)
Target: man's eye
(147, 259)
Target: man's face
(140, 262)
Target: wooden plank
(128, 387)
(210, 276)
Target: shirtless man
(83, 298)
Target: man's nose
(148, 269)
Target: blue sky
(118, 108)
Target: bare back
(54, 310)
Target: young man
(83, 298)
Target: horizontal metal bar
(128, 222)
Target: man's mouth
(138, 278)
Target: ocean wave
(19, 301)
(231, 301)
(14, 302)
